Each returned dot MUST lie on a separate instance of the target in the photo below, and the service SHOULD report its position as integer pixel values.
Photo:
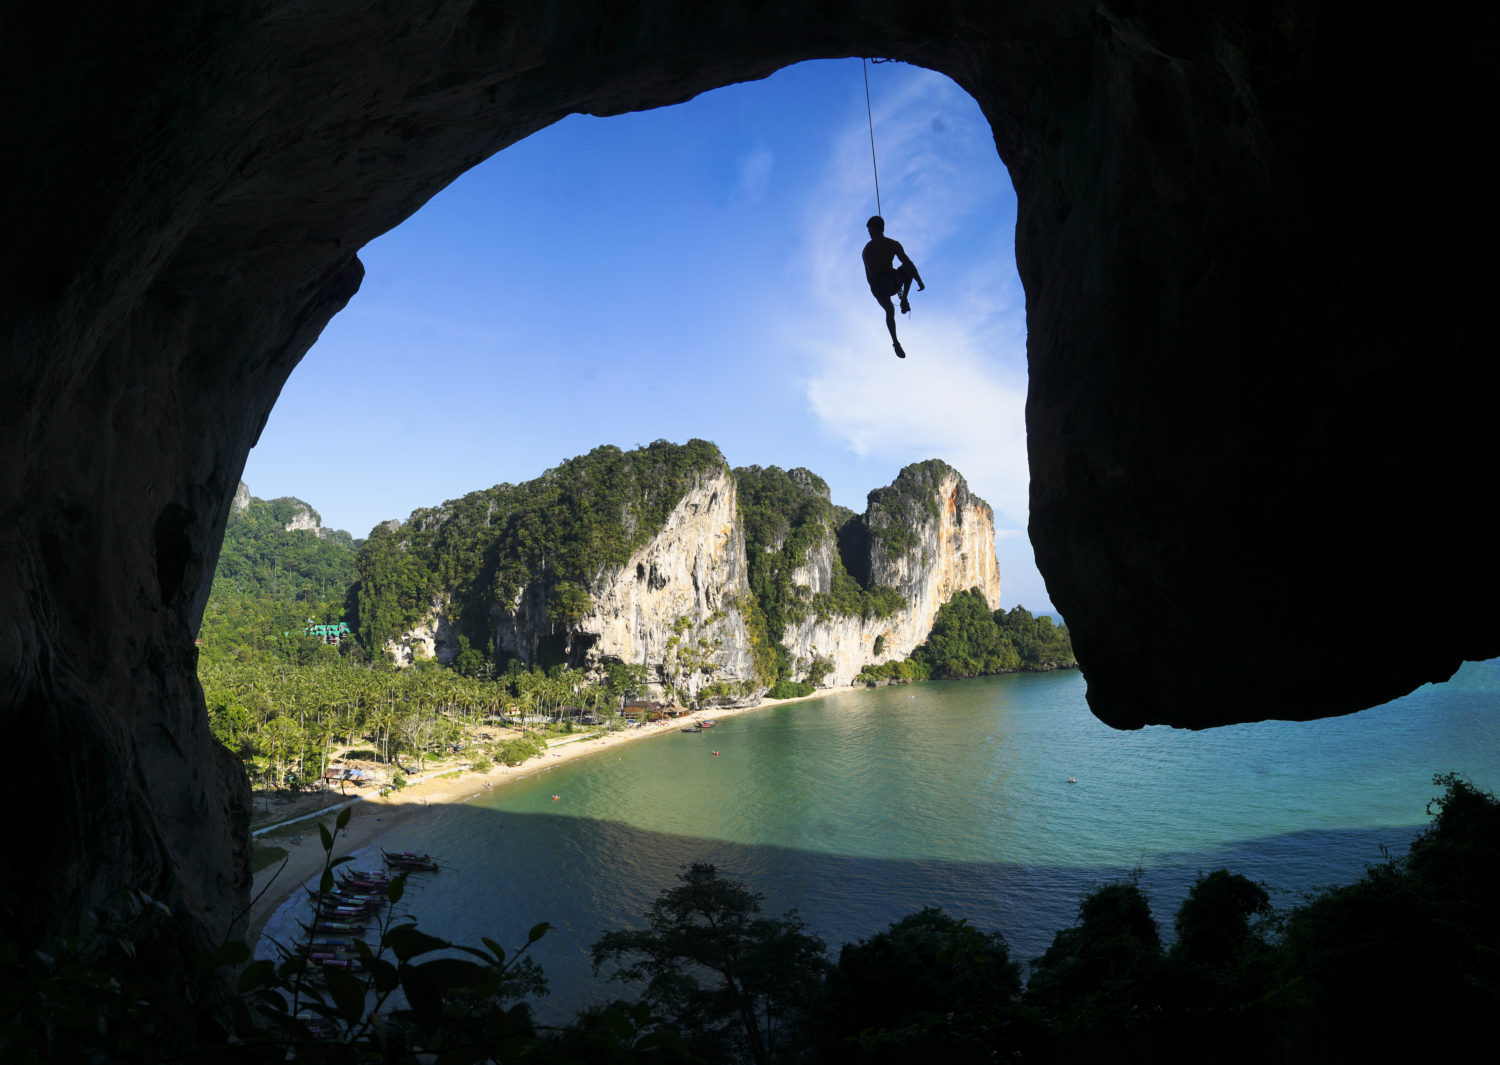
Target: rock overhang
(1252, 326)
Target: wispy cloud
(961, 393)
(752, 177)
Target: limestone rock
(947, 545)
(435, 637)
(690, 577)
(308, 520)
(677, 605)
(1259, 372)
(674, 605)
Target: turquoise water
(860, 808)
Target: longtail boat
(333, 926)
(336, 963)
(365, 882)
(409, 860)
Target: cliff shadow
(504, 871)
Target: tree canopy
(710, 958)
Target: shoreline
(374, 817)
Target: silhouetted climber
(887, 281)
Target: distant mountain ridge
(721, 581)
(264, 544)
(278, 567)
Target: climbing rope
(865, 66)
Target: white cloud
(752, 178)
(960, 394)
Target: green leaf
(384, 975)
(425, 999)
(537, 932)
(231, 953)
(257, 974)
(396, 889)
(344, 815)
(495, 948)
(619, 1025)
(450, 973)
(325, 885)
(327, 839)
(407, 943)
(348, 992)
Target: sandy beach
(375, 816)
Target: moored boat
(322, 925)
(409, 860)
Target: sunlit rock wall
(953, 549)
(683, 587)
(433, 637)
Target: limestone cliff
(676, 604)
(433, 637)
(734, 564)
(306, 519)
(928, 537)
(673, 604)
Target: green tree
(965, 641)
(1214, 923)
(929, 987)
(469, 661)
(1416, 937)
(1105, 972)
(729, 975)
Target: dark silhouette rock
(1259, 414)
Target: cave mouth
(1252, 321)
(687, 272)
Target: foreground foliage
(1403, 964)
(733, 978)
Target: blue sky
(688, 271)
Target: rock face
(678, 604)
(435, 638)
(946, 545)
(674, 605)
(1259, 377)
(306, 519)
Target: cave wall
(1258, 412)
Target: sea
(1000, 799)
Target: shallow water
(860, 808)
